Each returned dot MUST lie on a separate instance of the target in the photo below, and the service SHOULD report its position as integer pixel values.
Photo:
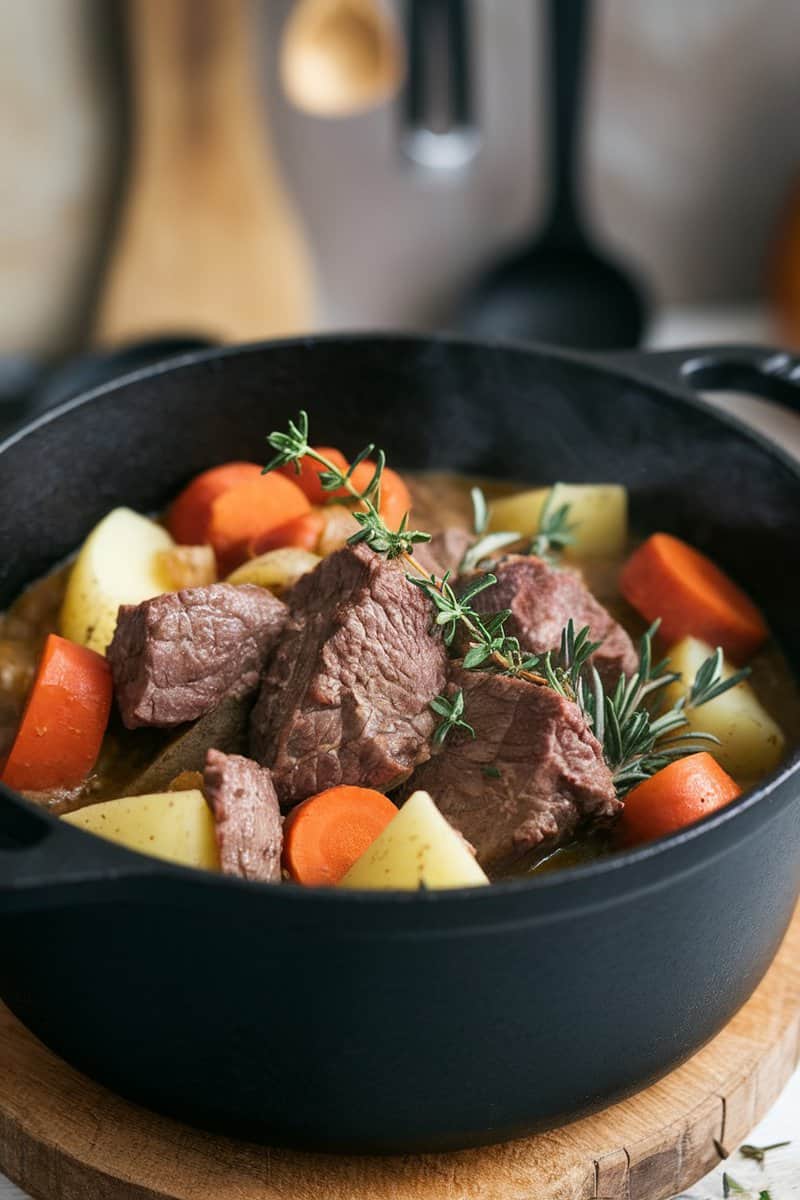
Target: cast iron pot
(399, 1022)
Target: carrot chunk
(245, 512)
(65, 718)
(301, 532)
(675, 796)
(189, 514)
(669, 579)
(327, 833)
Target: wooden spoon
(340, 57)
(784, 271)
(208, 241)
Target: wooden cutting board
(63, 1137)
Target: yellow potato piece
(276, 570)
(417, 848)
(751, 743)
(599, 512)
(176, 826)
(117, 564)
(187, 566)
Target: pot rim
(628, 367)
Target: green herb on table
(731, 1188)
(759, 1153)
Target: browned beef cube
(444, 551)
(345, 697)
(248, 821)
(531, 775)
(177, 656)
(542, 600)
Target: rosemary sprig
(636, 737)
(555, 530)
(451, 710)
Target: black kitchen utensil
(438, 121)
(558, 288)
(29, 388)
(397, 1021)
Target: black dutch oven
(399, 1022)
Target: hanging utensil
(340, 57)
(557, 287)
(208, 242)
(439, 129)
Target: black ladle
(558, 288)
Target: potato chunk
(277, 570)
(599, 512)
(751, 743)
(177, 826)
(418, 848)
(117, 564)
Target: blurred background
(173, 165)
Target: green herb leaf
(451, 709)
(555, 530)
(759, 1153)
(709, 682)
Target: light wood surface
(208, 242)
(63, 1137)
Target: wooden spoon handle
(208, 242)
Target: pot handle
(46, 863)
(760, 370)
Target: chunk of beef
(444, 551)
(247, 818)
(531, 775)
(542, 599)
(177, 656)
(345, 697)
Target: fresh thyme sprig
(487, 544)
(636, 737)
(486, 637)
(292, 447)
(555, 533)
